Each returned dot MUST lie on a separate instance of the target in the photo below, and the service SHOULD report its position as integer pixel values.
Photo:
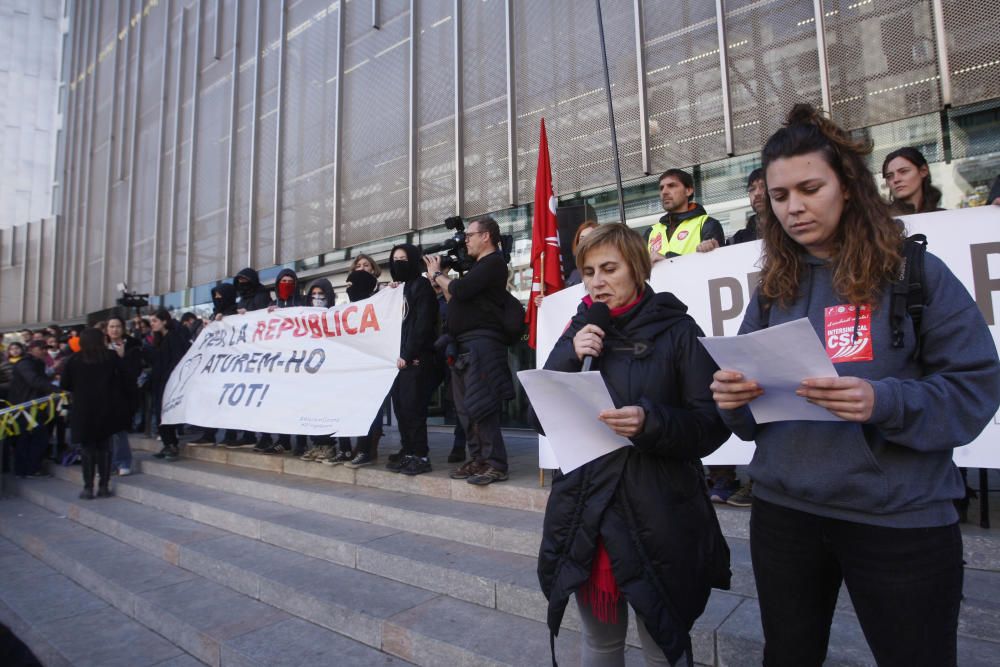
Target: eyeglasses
(482, 231)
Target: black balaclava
(362, 285)
(223, 298)
(411, 268)
(249, 284)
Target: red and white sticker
(682, 235)
(655, 243)
(849, 333)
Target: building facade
(203, 136)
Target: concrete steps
(63, 624)
(409, 622)
(422, 578)
(210, 622)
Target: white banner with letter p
(310, 371)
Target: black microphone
(600, 316)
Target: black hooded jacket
(296, 299)
(420, 323)
(226, 303)
(647, 502)
(327, 288)
(254, 296)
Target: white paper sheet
(778, 358)
(567, 405)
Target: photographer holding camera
(481, 378)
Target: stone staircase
(228, 557)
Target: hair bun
(803, 113)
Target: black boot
(87, 463)
(104, 473)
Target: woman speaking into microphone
(636, 527)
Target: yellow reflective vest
(685, 240)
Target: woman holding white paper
(867, 501)
(636, 526)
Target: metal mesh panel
(266, 123)
(240, 220)
(882, 60)
(559, 75)
(10, 279)
(773, 64)
(973, 49)
(684, 84)
(308, 127)
(180, 222)
(211, 158)
(375, 176)
(48, 256)
(147, 151)
(484, 107)
(435, 93)
(168, 201)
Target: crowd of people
(871, 501)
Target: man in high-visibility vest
(686, 227)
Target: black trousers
(29, 449)
(96, 456)
(905, 585)
(483, 437)
(410, 396)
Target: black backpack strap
(908, 295)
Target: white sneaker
(124, 471)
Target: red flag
(546, 260)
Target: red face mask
(285, 291)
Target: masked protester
(251, 295)
(286, 288)
(411, 389)
(360, 285)
(320, 295)
(223, 300)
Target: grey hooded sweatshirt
(895, 470)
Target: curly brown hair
(868, 242)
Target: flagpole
(611, 116)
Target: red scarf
(601, 592)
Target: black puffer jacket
(482, 360)
(166, 354)
(648, 502)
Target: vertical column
(24, 264)
(640, 69)
(71, 191)
(727, 111)
(377, 14)
(233, 119)
(172, 218)
(824, 71)
(278, 180)
(338, 107)
(121, 40)
(255, 93)
(137, 102)
(161, 124)
(89, 157)
(511, 105)
(412, 120)
(217, 33)
(195, 78)
(941, 44)
(459, 148)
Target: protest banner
(311, 371)
(717, 286)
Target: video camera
(454, 254)
(132, 299)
